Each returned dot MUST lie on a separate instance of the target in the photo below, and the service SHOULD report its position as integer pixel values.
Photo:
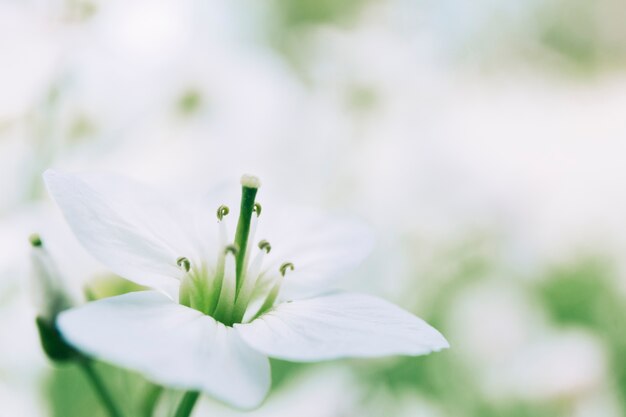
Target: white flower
(220, 306)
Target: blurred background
(484, 141)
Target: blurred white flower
(542, 159)
(217, 313)
(29, 47)
(508, 322)
(605, 403)
(22, 401)
(332, 389)
(152, 62)
(77, 267)
(560, 366)
(21, 360)
(516, 354)
(51, 296)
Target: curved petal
(170, 344)
(127, 227)
(340, 325)
(320, 245)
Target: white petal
(127, 227)
(340, 325)
(170, 344)
(321, 246)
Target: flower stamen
(183, 263)
(283, 268)
(265, 245)
(222, 211)
(232, 249)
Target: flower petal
(321, 246)
(170, 344)
(126, 226)
(340, 325)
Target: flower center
(235, 288)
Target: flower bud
(50, 299)
(50, 295)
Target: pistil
(249, 188)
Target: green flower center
(234, 290)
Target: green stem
(150, 400)
(101, 390)
(187, 404)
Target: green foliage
(581, 293)
(295, 13)
(284, 371)
(584, 293)
(70, 394)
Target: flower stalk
(98, 385)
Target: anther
(232, 249)
(222, 211)
(283, 268)
(183, 263)
(35, 240)
(265, 245)
(257, 209)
